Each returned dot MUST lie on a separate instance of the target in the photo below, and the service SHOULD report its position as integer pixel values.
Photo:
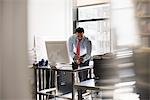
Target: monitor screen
(57, 52)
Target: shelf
(143, 16)
(144, 49)
(145, 34)
(142, 0)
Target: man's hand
(81, 60)
(76, 59)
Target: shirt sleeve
(70, 44)
(89, 49)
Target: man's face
(79, 35)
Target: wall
(89, 2)
(48, 20)
(0, 54)
(15, 85)
(122, 11)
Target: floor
(124, 96)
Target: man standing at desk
(80, 50)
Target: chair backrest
(44, 79)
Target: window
(95, 20)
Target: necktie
(78, 49)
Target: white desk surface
(93, 85)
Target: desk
(68, 68)
(91, 85)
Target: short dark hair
(79, 30)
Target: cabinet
(143, 55)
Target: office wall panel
(15, 83)
(48, 20)
(0, 52)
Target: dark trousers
(84, 74)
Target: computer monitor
(57, 52)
